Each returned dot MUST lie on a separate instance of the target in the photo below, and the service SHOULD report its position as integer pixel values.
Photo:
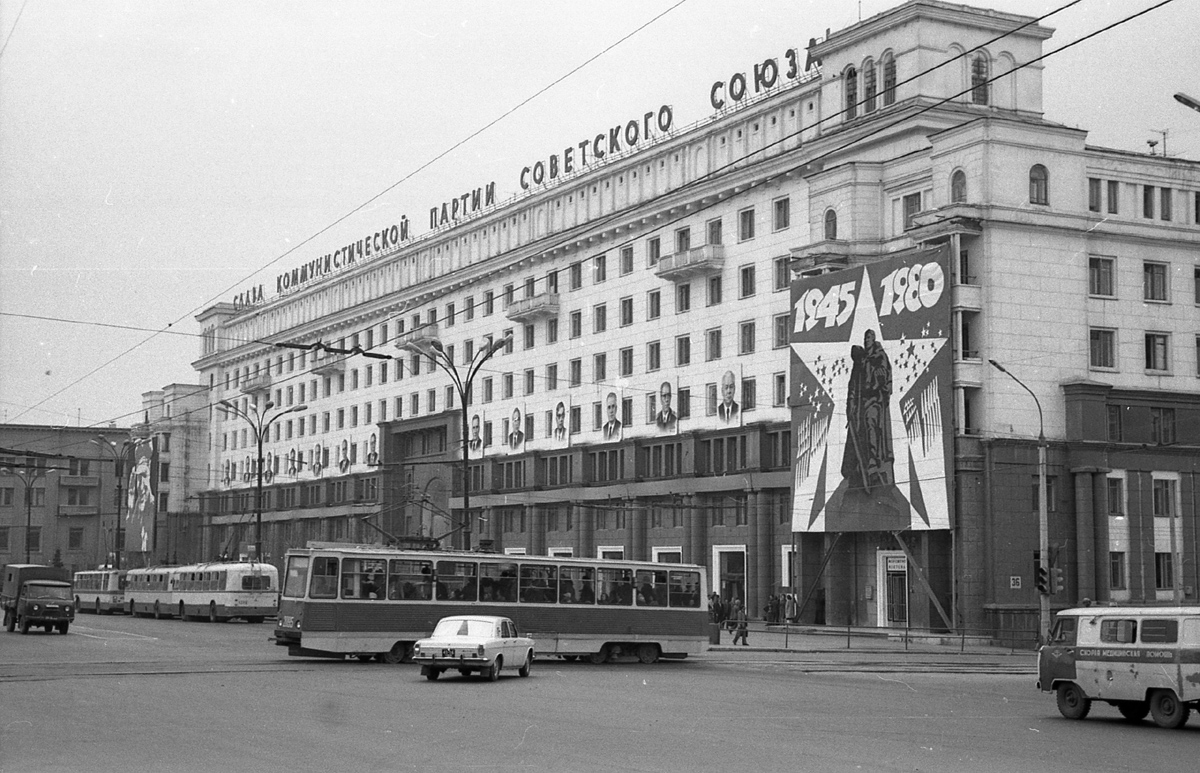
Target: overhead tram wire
(826, 154)
(361, 206)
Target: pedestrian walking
(739, 619)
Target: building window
(599, 269)
(626, 260)
(575, 274)
(683, 351)
(781, 330)
(979, 79)
(684, 403)
(889, 80)
(713, 229)
(783, 213)
(1157, 347)
(654, 304)
(1148, 201)
(746, 224)
(1164, 497)
(576, 324)
(783, 272)
(912, 205)
(600, 367)
(552, 376)
(830, 225)
(552, 330)
(1051, 493)
(626, 360)
(1116, 570)
(958, 187)
(747, 284)
(489, 303)
(683, 240)
(1116, 432)
(1164, 571)
(530, 336)
(1162, 425)
(683, 298)
(712, 341)
(1154, 281)
(529, 381)
(1165, 202)
(653, 251)
(746, 335)
(869, 87)
(33, 539)
(576, 375)
(1114, 197)
(552, 281)
(1103, 348)
(749, 394)
(654, 355)
(714, 290)
(851, 79)
(488, 390)
(1039, 185)
(1100, 277)
(600, 318)
(1093, 194)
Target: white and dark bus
(210, 591)
(100, 590)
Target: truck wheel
(62, 628)
(1072, 703)
(24, 627)
(1167, 710)
(10, 622)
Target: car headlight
(37, 608)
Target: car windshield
(447, 628)
(49, 592)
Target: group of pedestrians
(781, 608)
(731, 615)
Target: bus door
(893, 596)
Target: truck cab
(35, 595)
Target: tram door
(730, 581)
(893, 596)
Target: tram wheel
(399, 653)
(212, 611)
(596, 658)
(647, 653)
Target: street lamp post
(260, 425)
(1043, 516)
(432, 348)
(118, 456)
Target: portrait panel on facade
(141, 494)
(871, 372)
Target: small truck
(36, 595)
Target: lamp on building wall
(1043, 517)
(118, 452)
(432, 348)
(260, 425)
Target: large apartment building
(642, 380)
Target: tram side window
(363, 578)
(539, 583)
(1160, 631)
(296, 578)
(1118, 631)
(498, 582)
(457, 580)
(411, 580)
(651, 588)
(616, 586)
(577, 585)
(685, 590)
(324, 578)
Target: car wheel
(432, 673)
(493, 673)
(524, 670)
(1072, 703)
(1168, 711)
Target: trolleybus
(100, 590)
(211, 591)
(370, 601)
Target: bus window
(324, 577)
(410, 579)
(1160, 631)
(296, 577)
(457, 580)
(1118, 631)
(576, 585)
(256, 582)
(616, 586)
(498, 582)
(539, 583)
(685, 590)
(651, 588)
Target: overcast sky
(158, 157)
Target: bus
(375, 602)
(100, 590)
(210, 591)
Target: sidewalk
(827, 639)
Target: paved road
(120, 694)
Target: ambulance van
(1142, 660)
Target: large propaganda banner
(871, 382)
(141, 495)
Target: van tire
(1133, 711)
(10, 621)
(1167, 710)
(1072, 703)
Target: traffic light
(1057, 582)
(1042, 579)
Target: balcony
(418, 337)
(533, 308)
(70, 510)
(259, 382)
(327, 364)
(682, 266)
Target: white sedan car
(482, 643)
